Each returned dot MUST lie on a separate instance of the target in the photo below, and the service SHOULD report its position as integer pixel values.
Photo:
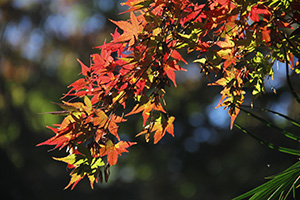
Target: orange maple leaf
(104, 122)
(112, 125)
(113, 151)
(134, 4)
(131, 30)
(74, 180)
(146, 108)
(161, 129)
(227, 52)
(233, 112)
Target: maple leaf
(265, 31)
(222, 2)
(83, 164)
(75, 178)
(227, 51)
(112, 46)
(160, 128)
(99, 134)
(61, 139)
(175, 54)
(78, 85)
(113, 151)
(171, 66)
(102, 63)
(67, 129)
(84, 69)
(132, 3)
(113, 127)
(131, 30)
(104, 122)
(195, 14)
(100, 118)
(170, 69)
(136, 5)
(232, 93)
(233, 113)
(257, 10)
(78, 107)
(227, 43)
(146, 108)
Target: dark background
(40, 41)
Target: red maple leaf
(84, 69)
(177, 56)
(196, 14)
(170, 68)
(113, 46)
(258, 10)
(61, 139)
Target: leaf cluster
(237, 41)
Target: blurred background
(40, 41)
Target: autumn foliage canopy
(237, 41)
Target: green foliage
(279, 186)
